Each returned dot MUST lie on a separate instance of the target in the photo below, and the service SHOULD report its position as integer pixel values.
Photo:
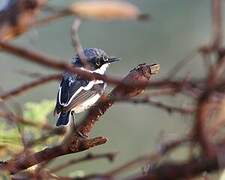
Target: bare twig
(76, 43)
(177, 170)
(53, 17)
(49, 62)
(213, 79)
(25, 161)
(46, 61)
(25, 87)
(88, 157)
(17, 119)
(150, 101)
(217, 24)
(162, 150)
(56, 131)
(181, 64)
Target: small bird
(76, 94)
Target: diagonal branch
(49, 62)
(75, 143)
(44, 60)
(142, 73)
(26, 160)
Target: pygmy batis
(75, 93)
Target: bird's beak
(113, 59)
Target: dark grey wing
(68, 87)
(58, 107)
(7, 12)
(74, 90)
(84, 95)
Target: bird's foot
(76, 129)
(81, 134)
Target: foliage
(38, 112)
(11, 136)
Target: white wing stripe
(101, 71)
(86, 88)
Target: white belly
(86, 104)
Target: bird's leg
(73, 118)
(74, 126)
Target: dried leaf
(16, 17)
(107, 10)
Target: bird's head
(96, 58)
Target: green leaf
(9, 139)
(38, 112)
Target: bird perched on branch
(75, 93)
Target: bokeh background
(176, 28)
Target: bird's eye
(98, 61)
(105, 58)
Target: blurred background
(176, 29)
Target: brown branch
(173, 170)
(53, 63)
(16, 119)
(49, 62)
(76, 43)
(216, 73)
(25, 87)
(217, 24)
(177, 170)
(25, 161)
(88, 157)
(178, 66)
(30, 74)
(162, 149)
(148, 100)
(74, 143)
(213, 82)
(142, 73)
(202, 114)
(56, 131)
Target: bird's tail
(63, 119)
